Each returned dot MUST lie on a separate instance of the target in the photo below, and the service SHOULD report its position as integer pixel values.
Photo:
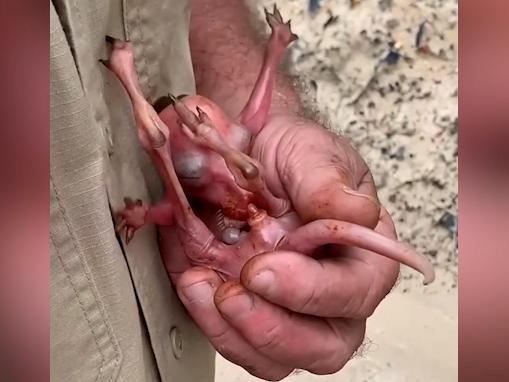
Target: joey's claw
(274, 17)
(271, 19)
(129, 234)
(279, 28)
(121, 225)
(204, 117)
(172, 98)
(277, 14)
(187, 131)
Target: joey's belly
(265, 237)
(232, 203)
(205, 177)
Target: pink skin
(213, 146)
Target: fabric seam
(116, 357)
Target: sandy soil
(398, 107)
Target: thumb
(326, 178)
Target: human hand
(290, 311)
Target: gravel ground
(359, 64)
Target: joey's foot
(122, 56)
(245, 170)
(281, 30)
(131, 218)
(255, 112)
(151, 130)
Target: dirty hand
(291, 311)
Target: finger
(318, 345)
(326, 178)
(196, 288)
(350, 283)
(332, 287)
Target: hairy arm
(227, 54)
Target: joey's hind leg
(198, 242)
(247, 172)
(254, 114)
(135, 215)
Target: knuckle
(268, 374)
(362, 305)
(339, 351)
(196, 275)
(366, 309)
(377, 289)
(308, 304)
(220, 338)
(225, 345)
(338, 359)
(361, 346)
(355, 305)
(270, 339)
(330, 364)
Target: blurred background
(384, 74)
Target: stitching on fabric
(79, 23)
(68, 275)
(68, 38)
(113, 345)
(125, 21)
(87, 276)
(103, 129)
(103, 360)
(142, 41)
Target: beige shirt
(114, 314)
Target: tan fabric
(112, 307)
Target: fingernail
(353, 192)
(236, 306)
(262, 281)
(199, 292)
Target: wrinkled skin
(319, 191)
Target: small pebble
(448, 221)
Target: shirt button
(177, 344)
